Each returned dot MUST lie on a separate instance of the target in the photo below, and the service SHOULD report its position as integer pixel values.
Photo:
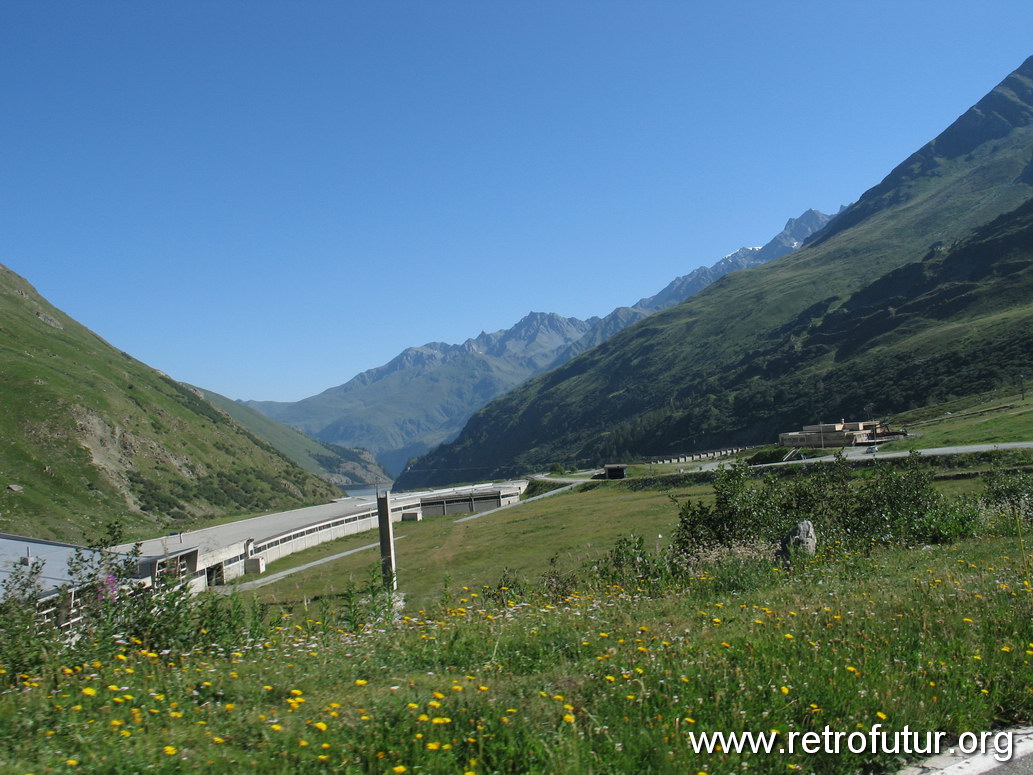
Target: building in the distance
(838, 434)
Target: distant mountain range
(425, 395)
(920, 290)
(796, 232)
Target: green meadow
(610, 679)
(561, 532)
(543, 639)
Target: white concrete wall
(298, 540)
(232, 556)
(313, 535)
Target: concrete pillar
(387, 542)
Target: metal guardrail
(695, 456)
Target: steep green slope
(335, 464)
(89, 434)
(802, 338)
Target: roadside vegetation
(562, 533)
(916, 610)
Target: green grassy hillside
(90, 434)
(915, 293)
(561, 532)
(335, 464)
(997, 417)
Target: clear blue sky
(266, 198)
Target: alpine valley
(425, 395)
(919, 291)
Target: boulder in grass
(801, 540)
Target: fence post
(387, 542)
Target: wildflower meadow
(605, 671)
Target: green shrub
(114, 608)
(889, 504)
(1011, 491)
(26, 643)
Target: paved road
(1023, 765)
(220, 536)
(261, 582)
(861, 452)
(1021, 762)
(585, 476)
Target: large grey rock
(50, 320)
(801, 540)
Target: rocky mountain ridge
(423, 396)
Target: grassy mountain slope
(89, 434)
(335, 464)
(810, 335)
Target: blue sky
(266, 198)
